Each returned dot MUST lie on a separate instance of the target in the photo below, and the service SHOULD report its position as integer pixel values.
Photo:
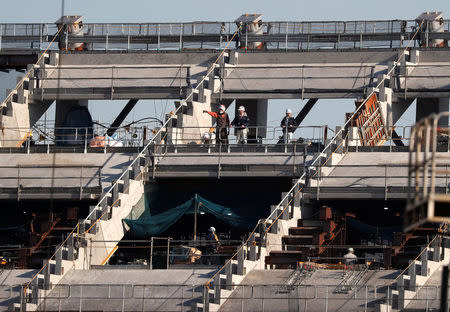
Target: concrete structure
(201, 80)
(238, 75)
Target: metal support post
(217, 289)
(436, 255)
(168, 253)
(205, 298)
(240, 261)
(58, 262)
(70, 248)
(126, 180)
(229, 276)
(85, 140)
(151, 253)
(444, 289)
(47, 276)
(401, 293)
(412, 275)
(252, 252)
(115, 195)
(424, 262)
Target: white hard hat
(288, 111)
(351, 249)
(212, 229)
(222, 107)
(241, 108)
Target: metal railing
(168, 253)
(93, 138)
(24, 177)
(263, 297)
(279, 35)
(384, 176)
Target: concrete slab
(127, 290)
(316, 292)
(35, 169)
(10, 281)
(364, 169)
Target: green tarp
(148, 225)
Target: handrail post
(85, 140)
(151, 253)
(168, 251)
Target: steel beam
(123, 114)
(303, 113)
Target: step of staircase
(297, 240)
(304, 230)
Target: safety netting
(144, 224)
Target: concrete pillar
(257, 112)
(72, 136)
(63, 107)
(427, 106)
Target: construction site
(192, 212)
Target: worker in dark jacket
(240, 124)
(288, 124)
(222, 124)
(212, 246)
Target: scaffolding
(427, 159)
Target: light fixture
(386, 208)
(202, 212)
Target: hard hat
(288, 111)
(212, 229)
(241, 108)
(351, 249)
(222, 107)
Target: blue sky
(329, 112)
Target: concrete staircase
(191, 123)
(269, 237)
(251, 255)
(20, 111)
(104, 223)
(315, 232)
(433, 257)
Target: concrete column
(257, 112)
(63, 107)
(71, 136)
(427, 106)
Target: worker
(212, 245)
(288, 124)
(222, 124)
(350, 257)
(240, 124)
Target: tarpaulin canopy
(147, 225)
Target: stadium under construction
(118, 217)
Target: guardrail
(263, 297)
(278, 35)
(87, 139)
(23, 177)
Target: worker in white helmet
(350, 258)
(212, 246)
(288, 125)
(222, 124)
(240, 124)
